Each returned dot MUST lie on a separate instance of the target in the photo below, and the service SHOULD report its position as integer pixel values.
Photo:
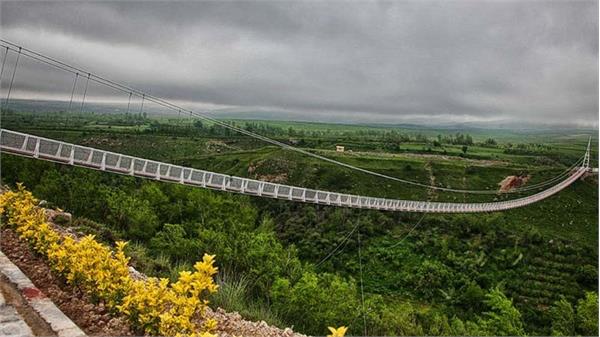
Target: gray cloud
(534, 61)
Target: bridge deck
(57, 151)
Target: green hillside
(437, 278)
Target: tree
(503, 319)
(587, 275)
(472, 297)
(464, 149)
(429, 276)
(490, 142)
(171, 241)
(265, 259)
(132, 215)
(198, 124)
(563, 318)
(587, 314)
(316, 301)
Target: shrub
(159, 307)
(563, 318)
(132, 215)
(155, 306)
(503, 319)
(587, 314)
(172, 241)
(310, 303)
(587, 275)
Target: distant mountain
(239, 114)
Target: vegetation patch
(155, 306)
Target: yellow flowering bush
(170, 310)
(29, 220)
(339, 332)
(155, 305)
(93, 267)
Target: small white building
(339, 148)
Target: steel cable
(338, 246)
(3, 62)
(73, 91)
(85, 92)
(12, 78)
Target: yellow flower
(339, 332)
(156, 306)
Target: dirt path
(431, 192)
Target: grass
(234, 296)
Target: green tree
(563, 318)
(429, 276)
(133, 216)
(198, 124)
(472, 297)
(265, 259)
(503, 319)
(587, 314)
(316, 301)
(490, 142)
(587, 275)
(172, 241)
(457, 327)
(385, 319)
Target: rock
(136, 275)
(59, 217)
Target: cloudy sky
(422, 61)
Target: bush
(316, 301)
(563, 318)
(132, 215)
(172, 242)
(587, 314)
(429, 276)
(142, 260)
(155, 306)
(100, 231)
(503, 319)
(587, 275)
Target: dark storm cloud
(365, 61)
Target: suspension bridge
(57, 151)
(41, 148)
